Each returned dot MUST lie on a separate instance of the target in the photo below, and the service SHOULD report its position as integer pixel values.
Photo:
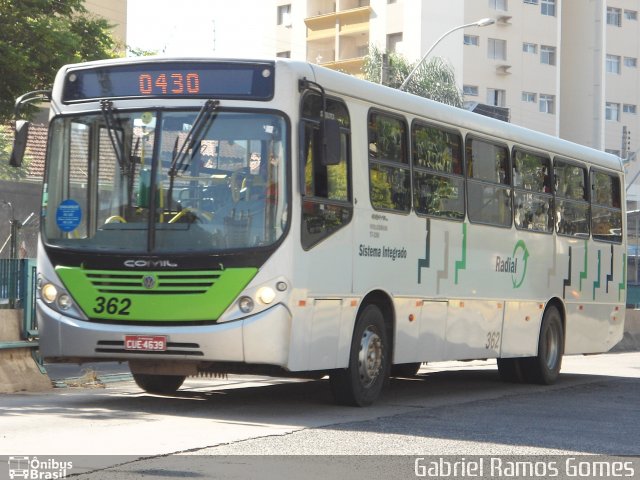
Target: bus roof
(413, 105)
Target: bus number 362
(112, 306)
(169, 83)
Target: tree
(38, 37)
(434, 79)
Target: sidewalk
(69, 374)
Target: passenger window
(438, 183)
(532, 191)
(606, 215)
(488, 182)
(327, 203)
(389, 174)
(572, 201)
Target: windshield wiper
(116, 141)
(200, 126)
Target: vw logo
(149, 282)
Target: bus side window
(438, 183)
(389, 174)
(571, 205)
(606, 215)
(327, 203)
(488, 182)
(532, 191)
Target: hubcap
(369, 357)
(553, 347)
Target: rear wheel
(545, 367)
(159, 384)
(361, 382)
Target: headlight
(57, 298)
(64, 301)
(266, 295)
(49, 292)
(245, 304)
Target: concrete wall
(18, 370)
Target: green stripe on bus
(155, 296)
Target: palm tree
(434, 79)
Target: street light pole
(480, 23)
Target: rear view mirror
(331, 142)
(19, 143)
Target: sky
(235, 28)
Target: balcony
(345, 22)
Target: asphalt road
(452, 408)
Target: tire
(158, 384)
(545, 367)
(510, 370)
(361, 382)
(405, 369)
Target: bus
(212, 216)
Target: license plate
(155, 343)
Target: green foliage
(139, 52)
(8, 172)
(434, 79)
(38, 37)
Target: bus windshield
(166, 181)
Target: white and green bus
(276, 217)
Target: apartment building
(564, 67)
(115, 12)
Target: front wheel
(361, 382)
(159, 384)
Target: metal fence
(18, 291)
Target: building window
(529, 47)
(471, 90)
(472, 40)
(612, 111)
(614, 16)
(284, 15)
(631, 62)
(630, 15)
(393, 40)
(286, 54)
(496, 97)
(630, 109)
(497, 49)
(548, 7)
(547, 103)
(613, 64)
(498, 5)
(547, 55)
(529, 97)
(531, 2)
